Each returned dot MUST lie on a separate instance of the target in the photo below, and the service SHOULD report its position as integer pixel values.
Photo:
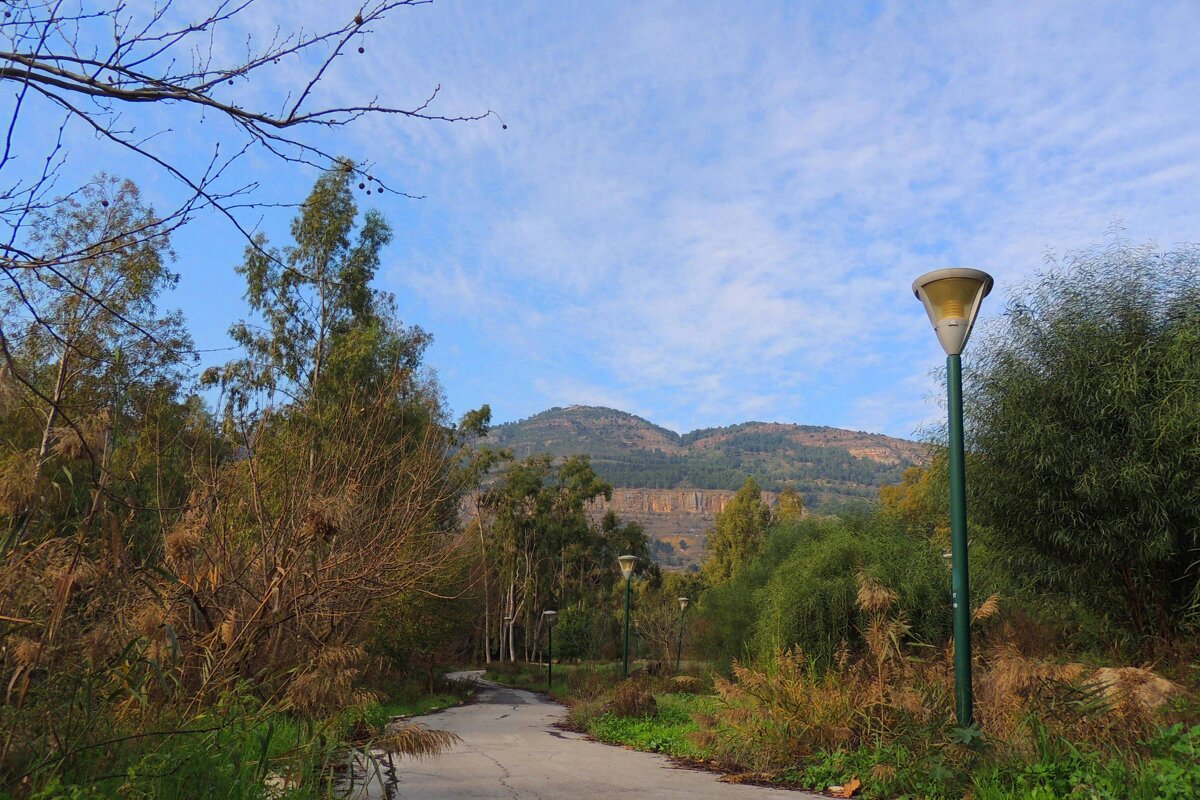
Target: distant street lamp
(683, 605)
(551, 617)
(627, 563)
(506, 636)
(952, 298)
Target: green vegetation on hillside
(628, 451)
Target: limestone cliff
(677, 518)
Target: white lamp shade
(627, 563)
(952, 298)
(551, 617)
(683, 603)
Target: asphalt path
(511, 748)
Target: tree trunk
(56, 395)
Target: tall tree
(321, 316)
(1084, 431)
(738, 536)
(89, 332)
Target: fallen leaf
(848, 790)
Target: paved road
(511, 749)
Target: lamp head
(683, 603)
(952, 298)
(551, 617)
(627, 563)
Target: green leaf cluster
(1083, 418)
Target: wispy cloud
(705, 213)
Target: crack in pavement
(505, 774)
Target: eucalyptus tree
(73, 347)
(547, 545)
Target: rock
(1150, 690)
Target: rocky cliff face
(678, 519)
(830, 467)
(671, 502)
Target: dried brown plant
(21, 482)
(773, 715)
(874, 597)
(415, 740)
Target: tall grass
(888, 709)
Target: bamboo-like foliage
(1083, 417)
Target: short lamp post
(627, 563)
(683, 606)
(952, 298)
(506, 636)
(550, 617)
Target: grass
(667, 731)
(770, 724)
(532, 677)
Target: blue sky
(705, 213)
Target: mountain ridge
(828, 465)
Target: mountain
(674, 484)
(829, 466)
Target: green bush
(728, 612)
(1083, 411)
(582, 633)
(811, 598)
(802, 589)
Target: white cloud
(703, 213)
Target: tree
(790, 504)
(1083, 421)
(921, 499)
(74, 348)
(129, 77)
(545, 551)
(738, 536)
(325, 328)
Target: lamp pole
(952, 298)
(626, 563)
(959, 569)
(683, 607)
(551, 617)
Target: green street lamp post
(550, 617)
(952, 298)
(683, 606)
(627, 563)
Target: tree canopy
(738, 536)
(1083, 418)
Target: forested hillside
(829, 466)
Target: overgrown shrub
(886, 717)
(632, 698)
(1082, 413)
(802, 590)
(590, 684)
